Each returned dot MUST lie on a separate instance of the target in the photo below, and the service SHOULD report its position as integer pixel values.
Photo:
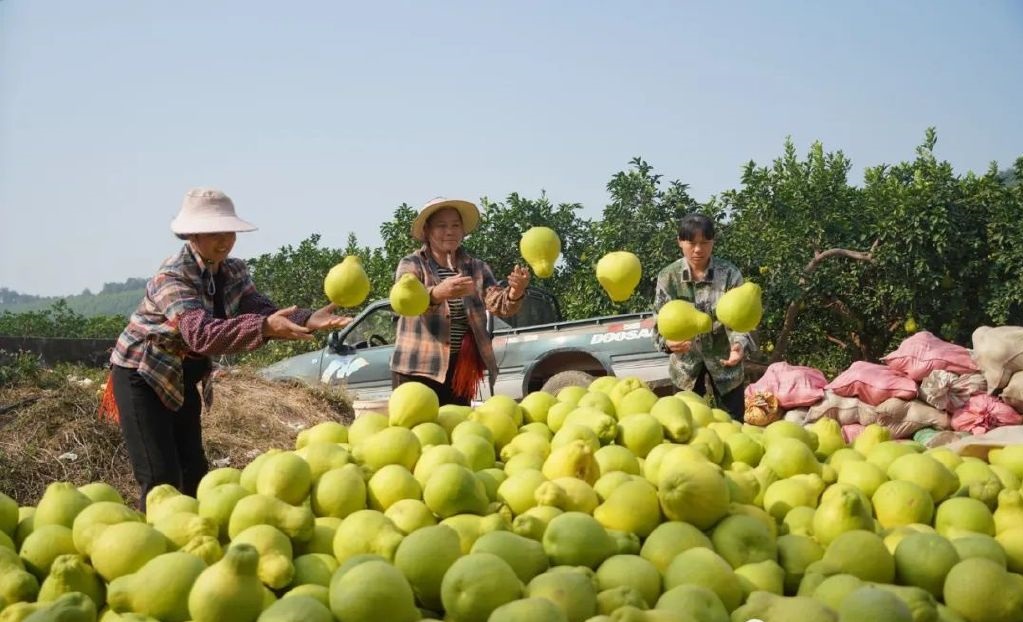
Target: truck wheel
(571, 378)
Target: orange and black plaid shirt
(423, 345)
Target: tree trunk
(791, 313)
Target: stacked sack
(783, 388)
(949, 392)
(947, 377)
(927, 389)
(998, 352)
(868, 387)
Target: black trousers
(734, 401)
(165, 446)
(443, 390)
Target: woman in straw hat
(448, 348)
(200, 303)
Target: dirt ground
(50, 429)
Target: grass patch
(50, 430)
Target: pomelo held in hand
(619, 273)
(679, 320)
(740, 308)
(409, 296)
(347, 285)
(540, 247)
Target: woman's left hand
(734, 356)
(324, 319)
(518, 281)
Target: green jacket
(675, 282)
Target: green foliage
(1003, 197)
(942, 252)
(502, 225)
(932, 232)
(397, 236)
(842, 266)
(380, 263)
(294, 275)
(642, 218)
(19, 368)
(780, 216)
(60, 320)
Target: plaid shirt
(423, 346)
(175, 319)
(676, 282)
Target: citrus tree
(796, 228)
(641, 217)
(502, 224)
(848, 271)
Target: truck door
(364, 364)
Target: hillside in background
(114, 299)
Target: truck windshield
(379, 328)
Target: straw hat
(470, 215)
(206, 210)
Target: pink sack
(793, 385)
(984, 412)
(949, 392)
(873, 383)
(851, 431)
(922, 353)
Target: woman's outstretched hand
(278, 326)
(324, 319)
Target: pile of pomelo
(606, 503)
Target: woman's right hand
(453, 287)
(278, 326)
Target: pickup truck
(535, 349)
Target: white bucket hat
(206, 210)
(470, 215)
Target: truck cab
(535, 349)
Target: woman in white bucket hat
(201, 303)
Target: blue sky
(324, 116)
